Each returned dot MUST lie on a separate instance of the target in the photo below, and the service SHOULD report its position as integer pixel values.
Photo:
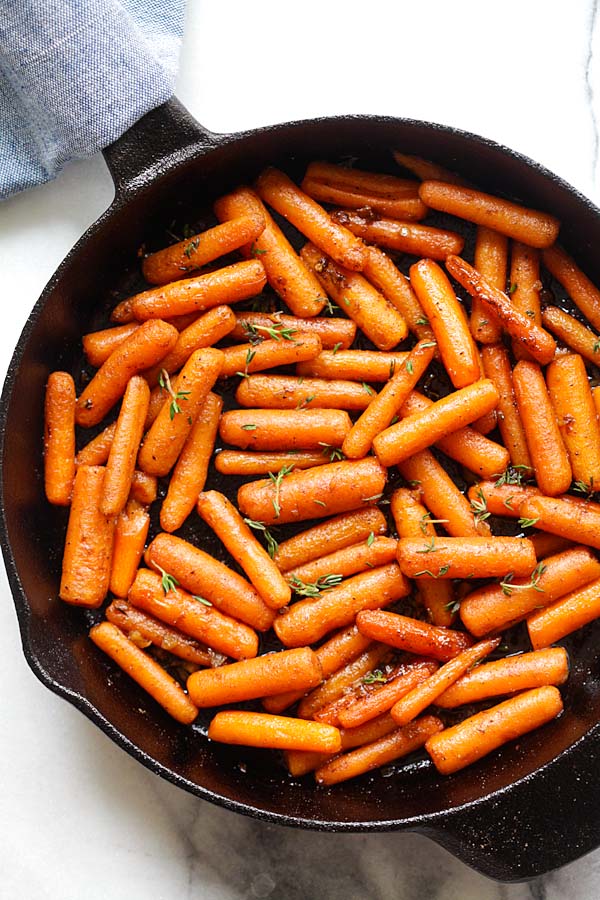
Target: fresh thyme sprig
(277, 478)
(168, 582)
(479, 507)
(272, 545)
(508, 586)
(314, 588)
(374, 677)
(512, 475)
(165, 383)
(334, 453)
(249, 357)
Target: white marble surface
(78, 817)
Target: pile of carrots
(385, 631)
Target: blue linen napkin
(75, 74)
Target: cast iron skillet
(517, 814)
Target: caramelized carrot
(491, 259)
(425, 169)
(284, 429)
(375, 551)
(411, 635)
(95, 452)
(584, 294)
(355, 365)
(496, 366)
(383, 697)
(341, 681)
(205, 331)
(98, 345)
(395, 287)
(300, 762)
(566, 615)
(59, 438)
(577, 520)
(572, 333)
(242, 359)
(242, 462)
(334, 534)
(573, 404)
(332, 331)
(525, 287)
(277, 732)
(357, 189)
(465, 557)
(130, 537)
(125, 446)
(290, 392)
(404, 237)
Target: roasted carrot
(334, 534)
(572, 333)
(278, 732)
(496, 366)
(546, 544)
(242, 359)
(573, 404)
(342, 681)
(395, 287)
(290, 392)
(98, 345)
(404, 237)
(411, 635)
(243, 462)
(205, 331)
(425, 169)
(584, 294)
(566, 615)
(466, 557)
(59, 438)
(284, 429)
(499, 499)
(577, 520)
(332, 331)
(125, 446)
(355, 365)
(382, 697)
(375, 551)
(300, 762)
(144, 488)
(95, 452)
(525, 287)
(130, 537)
(357, 189)
(491, 259)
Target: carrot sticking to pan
(466, 557)
(284, 429)
(383, 696)
(125, 446)
(375, 551)
(145, 671)
(491, 259)
(357, 189)
(546, 448)
(425, 169)
(199, 249)
(243, 359)
(523, 330)
(566, 615)
(146, 346)
(59, 438)
(313, 493)
(98, 345)
(334, 534)
(525, 287)
(290, 392)
(412, 635)
(537, 229)
(571, 518)
(403, 237)
(573, 404)
(395, 287)
(332, 331)
(584, 294)
(497, 367)
(245, 462)
(95, 452)
(379, 320)
(88, 544)
(572, 333)
(205, 331)
(475, 737)
(426, 693)
(278, 732)
(131, 532)
(342, 680)
(280, 192)
(354, 365)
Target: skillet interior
(531, 786)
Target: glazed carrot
(539, 344)
(166, 438)
(203, 576)
(421, 429)
(125, 446)
(478, 735)
(88, 544)
(382, 697)
(448, 321)
(356, 189)
(335, 534)
(122, 314)
(584, 294)
(205, 331)
(355, 365)
(287, 670)
(191, 615)
(95, 452)
(227, 285)
(546, 448)
(426, 170)
(491, 259)
(195, 251)
(342, 680)
(572, 333)
(290, 392)
(98, 345)
(311, 219)
(332, 331)
(573, 404)
(284, 429)
(383, 407)
(568, 614)
(466, 557)
(285, 271)
(538, 229)
(525, 287)
(493, 608)
(466, 445)
(426, 693)
(146, 346)
(506, 676)
(411, 635)
(549, 544)
(130, 537)
(499, 499)
(144, 488)
(59, 438)
(158, 395)
(309, 620)
(379, 320)
(380, 753)
(496, 366)
(145, 671)
(375, 551)
(278, 732)
(576, 520)
(395, 287)
(228, 525)
(191, 469)
(404, 237)
(242, 462)
(441, 496)
(413, 520)
(242, 359)
(313, 493)
(300, 762)
(145, 630)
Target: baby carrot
(395, 287)
(403, 237)
(475, 737)
(290, 392)
(346, 677)
(130, 537)
(491, 259)
(412, 635)
(59, 438)
(145, 671)
(546, 544)
(566, 615)
(584, 294)
(525, 287)
(448, 321)
(354, 365)
(332, 330)
(375, 551)
(568, 517)
(546, 448)
(573, 404)
(425, 169)
(284, 429)
(572, 333)
(125, 446)
(334, 534)
(243, 462)
(300, 762)
(205, 331)
(382, 697)
(466, 557)
(357, 189)
(144, 488)
(95, 452)
(278, 732)
(500, 499)
(496, 366)
(242, 359)
(98, 345)
(88, 544)
(538, 229)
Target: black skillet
(519, 813)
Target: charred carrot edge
(88, 544)
(408, 206)
(375, 551)
(335, 534)
(284, 429)
(191, 615)
(535, 340)
(172, 262)
(278, 732)
(125, 446)
(241, 462)
(343, 678)
(573, 404)
(291, 392)
(59, 438)
(584, 294)
(572, 333)
(191, 469)
(98, 345)
(243, 359)
(144, 488)
(332, 331)
(538, 229)
(146, 346)
(205, 331)
(380, 753)
(145, 671)
(95, 452)
(576, 520)
(412, 635)
(525, 287)
(382, 697)
(354, 365)
(546, 448)
(130, 537)
(379, 320)
(496, 365)
(491, 259)
(286, 273)
(466, 557)
(475, 737)
(568, 614)
(425, 169)
(506, 676)
(287, 670)
(404, 237)
(428, 691)
(395, 287)
(448, 321)
(310, 218)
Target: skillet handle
(164, 136)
